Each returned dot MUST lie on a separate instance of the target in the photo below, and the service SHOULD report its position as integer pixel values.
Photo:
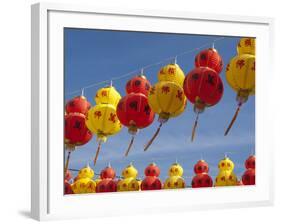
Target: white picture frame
(48, 200)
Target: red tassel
(233, 120)
(130, 145)
(194, 128)
(152, 139)
(97, 153)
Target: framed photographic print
(166, 111)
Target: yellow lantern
(246, 46)
(175, 170)
(134, 185)
(130, 172)
(174, 182)
(123, 185)
(240, 75)
(226, 165)
(226, 178)
(171, 73)
(107, 95)
(103, 121)
(102, 118)
(86, 172)
(83, 185)
(166, 99)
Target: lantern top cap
(142, 76)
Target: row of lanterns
(129, 181)
(202, 86)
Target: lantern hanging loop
(82, 92)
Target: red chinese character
(240, 63)
(171, 71)
(179, 95)
(104, 93)
(97, 114)
(248, 42)
(112, 117)
(165, 89)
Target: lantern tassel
(97, 153)
(194, 127)
(153, 137)
(130, 145)
(67, 162)
(233, 119)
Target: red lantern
(151, 183)
(204, 88)
(209, 58)
(75, 133)
(202, 180)
(152, 170)
(108, 172)
(106, 185)
(201, 167)
(250, 163)
(249, 177)
(68, 175)
(78, 104)
(67, 188)
(75, 130)
(138, 84)
(134, 112)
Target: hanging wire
(172, 58)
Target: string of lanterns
(168, 98)
(129, 181)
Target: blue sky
(92, 56)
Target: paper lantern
(204, 88)
(175, 170)
(78, 104)
(201, 180)
(68, 175)
(246, 46)
(250, 163)
(134, 112)
(123, 184)
(151, 183)
(67, 188)
(130, 172)
(174, 182)
(152, 170)
(249, 177)
(84, 185)
(166, 99)
(240, 75)
(226, 178)
(108, 172)
(209, 58)
(201, 167)
(76, 132)
(102, 119)
(171, 73)
(134, 185)
(106, 185)
(86, 172)
(138, 84)
(226, 165)
(107, 95)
